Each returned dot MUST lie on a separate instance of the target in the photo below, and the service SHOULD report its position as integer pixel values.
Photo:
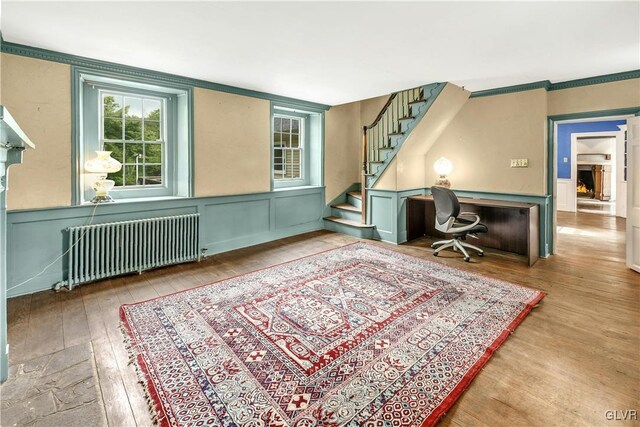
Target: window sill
(137, 200)
(297, 187)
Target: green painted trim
(76, 114)
(596, 80)
(547, 85)
(544, 84)
(271, 216)
(551, 161)
(158, 76)
(594, 114)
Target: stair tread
(376, 161)
(418, 101)
(395, 133)
(347, 207)
(356, 194)
(348, 222)
(406, 118)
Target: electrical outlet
(519, 163)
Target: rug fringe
(133, 353)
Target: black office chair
(450, 220)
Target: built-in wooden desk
(513, 226)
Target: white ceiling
(337, 52)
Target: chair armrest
(455, 229)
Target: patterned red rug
(358, 335)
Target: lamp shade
(443, 166)
(104, 163)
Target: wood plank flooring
(573, 358)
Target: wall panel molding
(226, 223)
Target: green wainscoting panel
(383, 214)
(226, 223)
(296, 210)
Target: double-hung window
(146, 127)
(134, 129)
(288, 147)
(296, 146)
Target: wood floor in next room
(574, 358)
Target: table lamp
(102, 165)
(443, 168)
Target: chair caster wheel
(467, 259)
(480, 253)
(435, 254)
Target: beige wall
(342, 159)
(486, 134)
(343, 143)
(606, 96)
(232, 144)
(38, 95)
(407, 170)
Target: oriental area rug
(356, 336)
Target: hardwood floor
(576, 356)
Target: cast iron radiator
(111, 249)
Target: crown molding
(544, 84)
(606, 78)
(96, 64)
(547, 85)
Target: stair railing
(377, 136)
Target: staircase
(381, 141)
(383, 138)
(346, 217)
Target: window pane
(132, 107)
(295, 163)
(276, 140)
(152, 109)
(285, 140)
(295, 126)
(133, 151)
(294, 140)
(132, 174)
(286, 125)
(153, 153)
(116, 150)
(116, 177)
(112, 129)
(153, 175)
(112, 105)
(277, 124)
(151, 131)
(133, 130)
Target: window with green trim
(296, 145)
(146, 127)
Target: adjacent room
(353, 213)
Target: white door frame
(633, 193)
(572, 202)
(552, 154)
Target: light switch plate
(519, 163)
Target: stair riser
(342, 213)
(354, 201)
(361, 233)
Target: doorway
(598, 129)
